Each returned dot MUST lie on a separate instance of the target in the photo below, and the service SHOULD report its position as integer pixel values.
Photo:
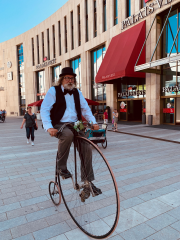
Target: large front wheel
(96, 215)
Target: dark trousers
(84, 149)
(30, 132)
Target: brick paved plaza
(147, 172)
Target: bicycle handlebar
(70, 124)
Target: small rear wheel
(55, 193)
(104, 144)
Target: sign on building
(10, 76)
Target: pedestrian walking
(31, 124)
(105, 116)
(115, 115)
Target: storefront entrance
(131, 110)
(171, 111)
(135, 110)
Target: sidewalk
(158, 132)
(147, 174)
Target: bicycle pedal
(84, 195)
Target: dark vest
(59, 106)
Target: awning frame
(151, 67)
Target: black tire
(55, 193)
(104, 144)
(88, 214)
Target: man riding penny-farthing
(85, 173)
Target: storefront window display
(41, 92)
(131, 99)
(168, 110)
(131, 88)
(170, 78)
(76, 65)
(56, 71)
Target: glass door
(123, 109)
(168, 111)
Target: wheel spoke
(96, 216)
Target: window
(65, 28)
(22, 96)
(56, 71)
(41, 85)
(95, 19)
(76, 65)
(37, 49)
(72, 31)
(43, 45)
(98, 90)
(87, 35)
(115, 12)
(104, 16)
(143, 4)
(59, 31)
(54, 42)
(128, 8)
(79, 26)
(48, 48)
(33, 60)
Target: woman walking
(115, 115)
(31, 123)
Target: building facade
(81, 34)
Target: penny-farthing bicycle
(97, 216)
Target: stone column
(83, 73)
(56, 39)
(100, 24)
(152, 80)
(111, 91)
(88, 85)
(40, 49)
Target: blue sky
(18, 16)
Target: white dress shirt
(70, 114)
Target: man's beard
(69, 86)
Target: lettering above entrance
(171, 89)
(131, 93)
(45, 64)
(144, 12)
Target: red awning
(91, 102)
(122, 54)
(38, 103)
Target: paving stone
(3, 217)
(151, 173)
(176, 226)
(161, 221)
(128, 219)
(22, 211)
(5, 235)
(52, 231)
(27, 228)
(138, 233)
(26, 237)
(152, 208)
(167, 233)
(8, 224)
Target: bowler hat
(67, 71)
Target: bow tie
(67, 91)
